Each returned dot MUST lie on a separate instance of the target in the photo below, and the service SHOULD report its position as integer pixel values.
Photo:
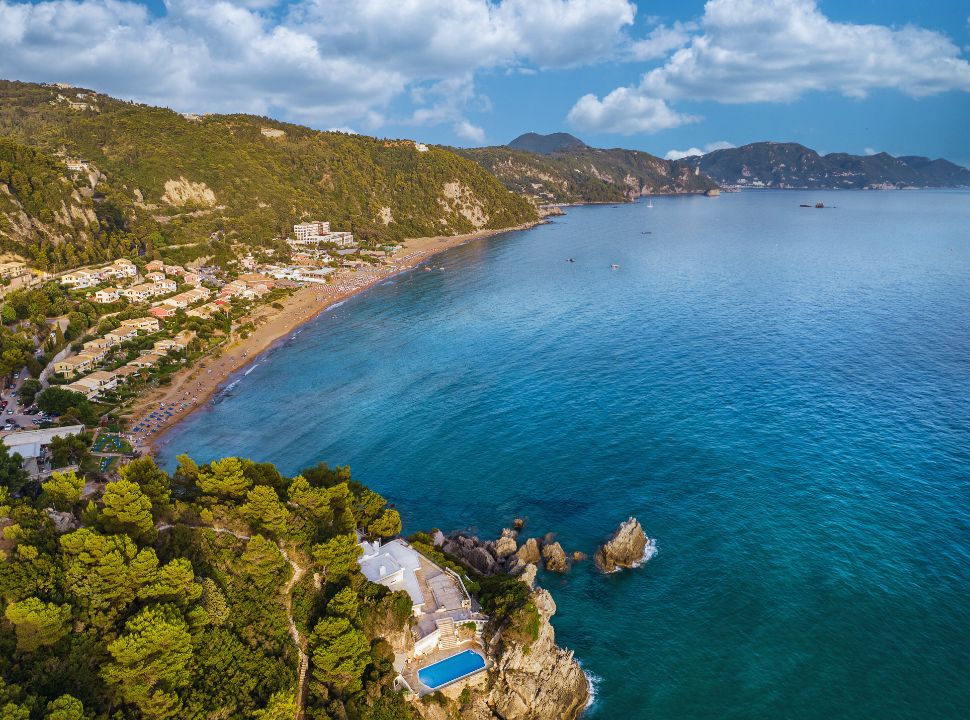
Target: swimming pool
(450, 669)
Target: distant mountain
(563, 169)
(546, 144)
(790, 165)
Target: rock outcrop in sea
(628, 547)
(555, 557)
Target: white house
(107, 295)
(395, 566)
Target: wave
(253, 367)
(593, 682)
(649, 550)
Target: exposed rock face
(578, 556)
(529, 552)
(506, 545)
(184, 192)
(555, 558)
(628, 548)
(538, 682)
(64, 522)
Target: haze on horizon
(667, 77)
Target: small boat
(819, 205)
(570, 260)
(646, 232)
(614, 266)
(650, 203)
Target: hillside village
(144, 320)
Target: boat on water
(570, 259)
(650, 203)
(614, 266)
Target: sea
(780, 395)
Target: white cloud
(869, 151)
(467, 131)
(694, 151)
(326, 62)
(681, 154)
(627, 112)
(661, 41)
(778, 50)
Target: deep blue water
(780, 395)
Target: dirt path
(303, 662)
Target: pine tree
(128, 510)
(63, 490)
(264, 511)
(225, 478)
(37, 623)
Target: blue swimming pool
(451, 669)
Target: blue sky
(847, 75)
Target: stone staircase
(446, 627)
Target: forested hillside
(170, 597)
(157, 180)
(563, 169)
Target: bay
(779, 394)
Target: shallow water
(779, 394)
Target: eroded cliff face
(538, 681)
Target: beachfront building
(176, 344)
(74, 365)
(304, 231)
(146, 361)
(31, 445)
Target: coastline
(193, 387)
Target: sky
(666, 76)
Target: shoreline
(193, 387)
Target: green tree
(37, 623)
(281, 706)
(60, 401)
(63, 490)
(69, 450)
(214, 602)
(344, 604)
(315, 500)
(98, 573)
(128, 510)
(28, 391)
(338, 556)
(263, 564)
(340, 655)
(225, 479)
(12, 474)
(152, 480)
(367, 507)
(387, 525)
(151, 662)
(65, 707)
(264, 511)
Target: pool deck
(410, 673)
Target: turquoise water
(451, 669)
(780, 395)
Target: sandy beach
(192, 387)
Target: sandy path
(192, 387)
